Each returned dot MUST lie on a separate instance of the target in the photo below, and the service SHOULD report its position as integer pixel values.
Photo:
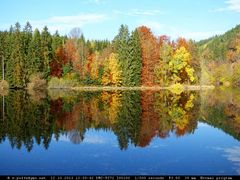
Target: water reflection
(221, 109)
(233, 155)
(135, 117)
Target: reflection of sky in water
(233, 154)
(90, 138)
(99, 153)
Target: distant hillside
(222, 48)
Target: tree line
(220, 57)
(137, 58)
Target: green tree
(133, 64)
(3, 36)
(35, 53)
(129, 119)
(17, 62)
(27, 38)
(195, 61)
(46, 50)
(9, 64)
(121, 48)
(57, 41)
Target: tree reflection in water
(75, 136)
(135, 117)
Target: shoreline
(140, 88)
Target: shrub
(37, 82)
(4, 85)
(4, 88)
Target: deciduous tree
(112, 71)
(150, 55)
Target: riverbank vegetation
(139, 58)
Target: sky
(101, 19)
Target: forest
(37, 59)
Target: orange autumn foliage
(149, 119)
(182, 42)
(150, 55)
(90, 59)
(59, 60)
(72, 55)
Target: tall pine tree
(57, 41)
(2, 47)
(17, 60)
(121, 48)
(46, 50)
(34, 54)
(133, 64)
(27, 38)
(9, 64)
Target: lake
(120, 133)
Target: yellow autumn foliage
(238, 49)
(182, 123)
(95, 111)
(189, 103)
(180, 115)
(179, 63)
(176, 88)
(180, 59)
(190, 72)
(95, 66)
(112, 71)
(112, 103)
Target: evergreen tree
(129, 119)
(57, 41)
(17, 60)
(9, 64)
(34, 54)
(46, 50)
(132, 73)
(121, 48)
(2, 45)
(27, 38)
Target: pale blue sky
(100, 19)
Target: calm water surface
(120, 133)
